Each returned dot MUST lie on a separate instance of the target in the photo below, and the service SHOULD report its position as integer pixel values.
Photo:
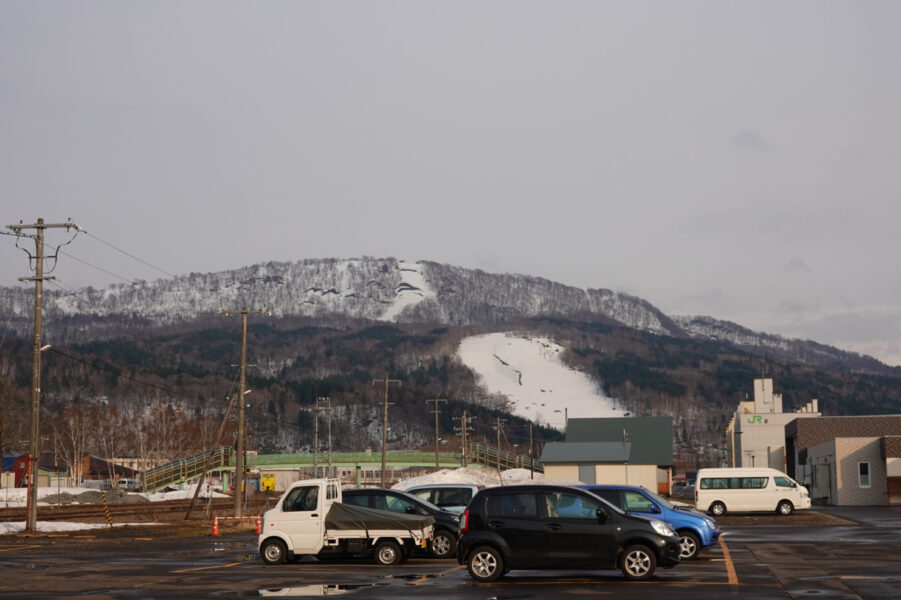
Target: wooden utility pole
(464, 433)
(385, 425)
(437, 439)
(31, 516)
(531, 460)
(328, 405)
(239, 450)
(500, 424)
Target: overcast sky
(734, 159)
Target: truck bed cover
(349, 516)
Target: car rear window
(512, 505)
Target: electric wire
(144, 262)
(102, 270)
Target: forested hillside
(163, 392)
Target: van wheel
(485, 564)
(274, 552)
(717, 509)
(387, 552)
(785, 508)
(689, 545)
(443, 544)
(637, 562)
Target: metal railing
(491, 457)
(184, 469)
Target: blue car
(696, 530)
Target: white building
(756, 433)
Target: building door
(894, 491)
(587, 474)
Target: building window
(863, 474)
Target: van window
(512, 506)
(783, 482)
(733, 483)
(754, 483)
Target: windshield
(660, 500)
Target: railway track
(168, 510)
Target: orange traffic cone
(216, 525)
(259, 526)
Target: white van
(748, 489)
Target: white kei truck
(309, 519)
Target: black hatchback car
(447, 524)
(558, 527)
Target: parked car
(447, 524)
(126, 483)
(559, 527)
(449, 496)
(683, 488)
(695, 529)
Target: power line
(102, 270)
(144, 262)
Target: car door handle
(314, 515)
(495, 524)
(553, 526)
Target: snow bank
(480, 476)
(18, 496)
(53, 526)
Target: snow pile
(479, 476)
(536, 383)
(54, 526)
(52, 495)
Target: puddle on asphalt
(314, 590)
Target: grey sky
(734, 159)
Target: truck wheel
(444, 544)
(273, 552)
(637, 562)
(785, 508)
(387, 552)
(689, 545)
(485, 564)
(717, 509)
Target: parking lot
(856, 555)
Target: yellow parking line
(730, 566)
(208, 568)
(439, 574)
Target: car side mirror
(655, 509)
(602, 515)
(410, 510)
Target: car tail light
(464, 525)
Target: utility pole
(328, 402)
(436, 410)
(531, 460)
(38, 279)
(500, 425)
(316, 439)
(385, 425)
(464, 433)
(239, 451)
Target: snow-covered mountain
(386, 289)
